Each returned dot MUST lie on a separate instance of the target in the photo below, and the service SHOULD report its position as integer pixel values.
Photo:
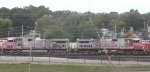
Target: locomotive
(81, 46)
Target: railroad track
(144, 58)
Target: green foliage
(133, 19)
(119, 24)
(129, 34)
(5, 27)
(54, 32)
(87, 29)
(49, 26)
(45, 22)
(71, 24)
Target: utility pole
(22, 31)
(44, 35)
(115, 32)
(8, 33)
(82, 35)
(16, 34)
(22, 38)
(35, 26)
(147, 30)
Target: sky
(96, 6)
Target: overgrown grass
(137, 68)
(67, 68)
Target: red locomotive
(83, 46)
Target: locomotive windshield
(136, 41)
(10, 40)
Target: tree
(87, 30)
(19, 18)
(129, 34)
(132, 19)
(28, 15)
(114, 15)
(45, 22)
(119, 25)
(6, 27)
(4, 12)
(54, 32)
(71, 23)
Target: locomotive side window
(114, 39)
(90, 45)
(55, 45)
(19, 44)
(29, 39)
(20, 39)
(136, 41)
(86, 41)
(17, 39)
(84, 45)
(81, 41)
(63, 45)
(10, 40)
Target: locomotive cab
(12, 42)
(134, 41)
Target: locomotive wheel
(135, 52)
(10, 52)
(53, 53)
(63, 53)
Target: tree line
(68, 24)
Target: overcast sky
(83, 5)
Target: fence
(77, 59)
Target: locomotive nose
(9, 46)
